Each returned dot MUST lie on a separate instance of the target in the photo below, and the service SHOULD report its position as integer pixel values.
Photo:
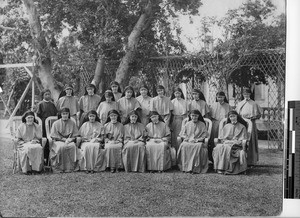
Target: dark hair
(133, 112)
(45, 91)
(89, 86)
(109, 92)
(155, 113)
(239, 118)
(158, 87)
(64, 109)
(117, 84)
(128, 88)
(201, 96)
(26, 114)
(200, 118)
(86, 118)
(177, 90)
(221, 94)
(146, 87)
(113, 112)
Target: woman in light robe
(116, 90)
(192, 155)
(162, 104)
(229, 156)
(158, 152)
(145, 100)
(199, 103)
(128, 103)
(107, 103)
(64, 154)
(92, 140)
(89, 101)
(218, 111)
(66, 99)
(249, 109)
(133, 152)
(179, 113)
(30, 150)
(114, 134)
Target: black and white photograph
(146, 108)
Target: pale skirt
(133, 155)
(193, 157)
(113, 155)
(93, 157)
(158, 155)
(31, 157)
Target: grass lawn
(259, 193)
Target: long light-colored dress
(251, 110)
(88, 103)
(30, 155)
(145, 105)
(163, 106)
(64, 156)
(126, 105)
(193, 156)
(103, 109)
(68, 102)
(200, 105)
(133, 153)
(113, 155)
(158, 154)
(179, 113)
(229, 155)
(93, 156)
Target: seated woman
(229, 156)
(92, 141)
(29, 135)
(192, 154)
(64, 153)
(113, 133)
(158, 153)
(134, 146)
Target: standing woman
(64, 152)
(92, 141)
(158, 152)
(67, 100)
(29, 136)
(192, 155)
(249, 109)
(162, 104)
(89, 101)
(116, 90)
(134, 149)
(127, 103)
(229, 155)
(113, 136)
(199, 103)
(180, 112)
(218, 111)
(145, 101)
(107, 103)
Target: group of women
(138, 134)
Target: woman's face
(133, 118)
(128, 94)
(220, 99)
(47, 96)
(65, 115)
(143, 92)
(246, 96)
(90, 90)
(154, 118)
(195, 96)
(177, 94)
(113, 118)
(160, 92)
(92, 118)
(194, 117)
(68, 92)
(233, 118)
(114, 88)
(29, 119)
(108, 98)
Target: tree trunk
(99, 72)
(132, 43)
(40, 44)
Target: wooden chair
(14, 124)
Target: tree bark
(99, 73)
(132, 43)
(40, 44)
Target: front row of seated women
(132, 146)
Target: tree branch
(8, 28)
